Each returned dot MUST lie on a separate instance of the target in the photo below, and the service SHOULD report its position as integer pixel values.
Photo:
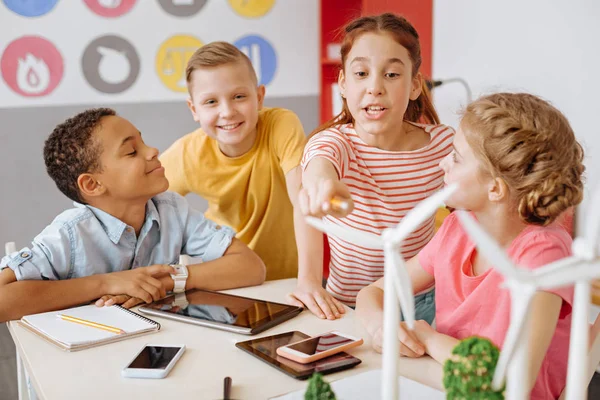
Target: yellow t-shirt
(247, 193)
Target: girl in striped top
(381, 154)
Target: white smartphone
(154, 361)
(318, 347)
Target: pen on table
(339, 204)
(92, 324)
(227, 388)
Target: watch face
(180, 270)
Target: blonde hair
(402, 31)
(528, 143)
(216, 54)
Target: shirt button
(24, 254)
(129, 229)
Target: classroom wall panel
(549, 48)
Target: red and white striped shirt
(384, 185)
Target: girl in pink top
(518, 167)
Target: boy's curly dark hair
(71, 150)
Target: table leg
(21, 380)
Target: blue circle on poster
(30, 8)
(262, 55)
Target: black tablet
(222, 311)
(265, 349)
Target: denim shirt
(85, 240)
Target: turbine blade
(521, 296)
(420, 213)
(403, 285)
(558, 265)
(350, 235)
(592, 224)
(565, 273)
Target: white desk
(210, 356)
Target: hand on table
(318, 300)
(122, 299)
(412, 343)
(146, 284)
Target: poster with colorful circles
(62, 52)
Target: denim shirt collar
(113, 226)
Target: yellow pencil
(112, 329)
(339, 204)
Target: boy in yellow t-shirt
(244, 160)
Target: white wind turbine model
(579, 269)
(397, 284)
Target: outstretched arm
(321, 183)
(309, 292)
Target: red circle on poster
(31, 66)
(110, 8)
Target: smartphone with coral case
(318, 347)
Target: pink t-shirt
(468, 305)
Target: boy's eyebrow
(128, 138)
(216, 94)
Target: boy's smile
(159, 169)
(230, 127)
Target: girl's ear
(497, 190)
(416, 87)
(342, 83)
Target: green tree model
(318, 389)
(469, 371)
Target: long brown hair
(419, 110)
(528, 143)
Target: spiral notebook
(71, 336)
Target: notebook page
(71, 333)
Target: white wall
(549, 48)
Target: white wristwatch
(180, 300)
(179, 277)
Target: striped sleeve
(332, 145)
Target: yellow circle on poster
(172, 58)
(252, 8)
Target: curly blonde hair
(528, 143)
